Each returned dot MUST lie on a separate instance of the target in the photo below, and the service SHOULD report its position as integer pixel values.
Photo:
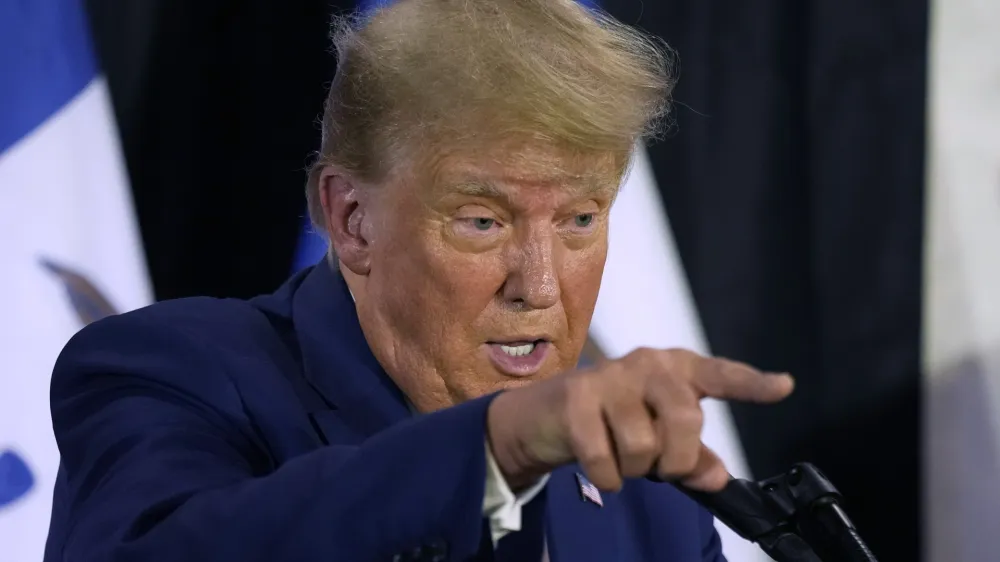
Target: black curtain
(793, 180)
(218, 104)
(794, 184)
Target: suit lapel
(579, 529)
(358, 399)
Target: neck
(356, 287)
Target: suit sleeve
(158, 466)
(711, 550)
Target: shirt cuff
(500, 505)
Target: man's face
(484, 271)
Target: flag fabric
(69, 245)
(311, 246)
(961, 355)
(645, 302)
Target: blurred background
(827, 204)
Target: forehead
(498, 170)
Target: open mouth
(519, 358)
(520, 349)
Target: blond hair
(426, 75)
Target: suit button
(437, 551)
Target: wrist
(517, 479)
(516, 467)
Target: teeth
(518, 350)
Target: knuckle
(681, 355)
(680, 352)
(645, 352)
(692, 419)
(678, 362)
(684, 420)
(644, 356)
(640, 444)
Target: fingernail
(788, 376)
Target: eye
(482, 223)
(583, 220)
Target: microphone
(793, 517)
(742, 507)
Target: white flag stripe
(645, 302)
(961, 355)
(63, 197)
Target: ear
(344, 208)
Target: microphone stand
(793, 517)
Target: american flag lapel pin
(589, 492)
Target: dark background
(793, 180)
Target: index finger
(731, 380)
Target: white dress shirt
(500, 504)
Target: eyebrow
(485, 190)
(489, 190)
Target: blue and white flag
(69, 245)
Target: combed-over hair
(426, 75)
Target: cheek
(443, 286)
(468, 282)
(581, 282)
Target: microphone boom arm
(793, 517)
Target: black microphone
(793, 517)
(742, 507)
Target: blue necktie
(528, 544)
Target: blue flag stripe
(311, 247)
(46, 59)
(16, 479)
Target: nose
(533, 280)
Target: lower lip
(522, 365)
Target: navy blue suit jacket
(207, 430)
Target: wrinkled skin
(451, 258)
(470, 249)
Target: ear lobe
(344, 210)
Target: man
(414, 397)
